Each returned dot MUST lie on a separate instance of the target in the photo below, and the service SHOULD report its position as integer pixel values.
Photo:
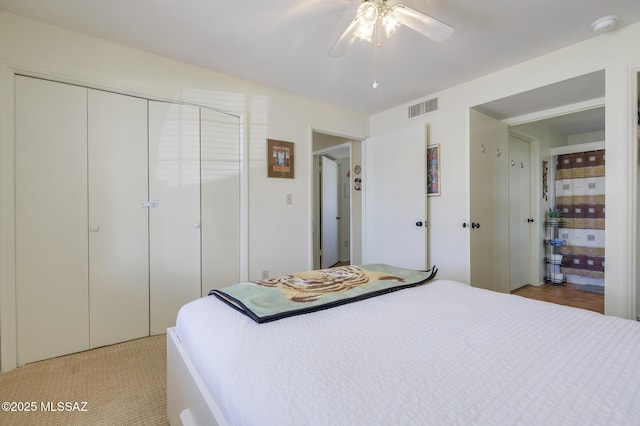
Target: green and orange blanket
(301, 293)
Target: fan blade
(348, 35)
(424, 24)
(345, 40)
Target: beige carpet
(123, 384)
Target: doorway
(507, 218)
(335, 206)
(537, 115)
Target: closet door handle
(530, 220)
(475, 225)
(94, 228)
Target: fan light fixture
(372, 14)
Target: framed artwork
(279, 159)
(433, 170)
(357, 184)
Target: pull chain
(376, 46)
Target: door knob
(475, 225)
(465, 224)
(530, 220)
(419, 224)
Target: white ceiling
(284, 43)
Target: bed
(433, 354)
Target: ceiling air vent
(423, 107)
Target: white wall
(279, 235)
(616, 53)
(586, 137)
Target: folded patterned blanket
(305, 292)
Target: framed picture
(279, 159)
(433, 170)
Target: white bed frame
(188, 400)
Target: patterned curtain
(580, 197)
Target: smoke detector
(604, 24)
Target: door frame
(536, 193)
(536, 169)
(316, 211)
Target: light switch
(289, 199)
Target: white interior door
(330, 219)
(519, 213)
(220, 193)
(174, 224)
(394, 186)
(51, 219)
(118, 224)
(488, 183)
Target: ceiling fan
(373, 16)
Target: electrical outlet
(289, 199)
(265, 275)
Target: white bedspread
(441, 354)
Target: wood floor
(563, 295)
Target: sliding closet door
(220, 163)
(174, 222)
(51, 219)
(118, 223)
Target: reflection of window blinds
(580, 196)
(220, 155)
